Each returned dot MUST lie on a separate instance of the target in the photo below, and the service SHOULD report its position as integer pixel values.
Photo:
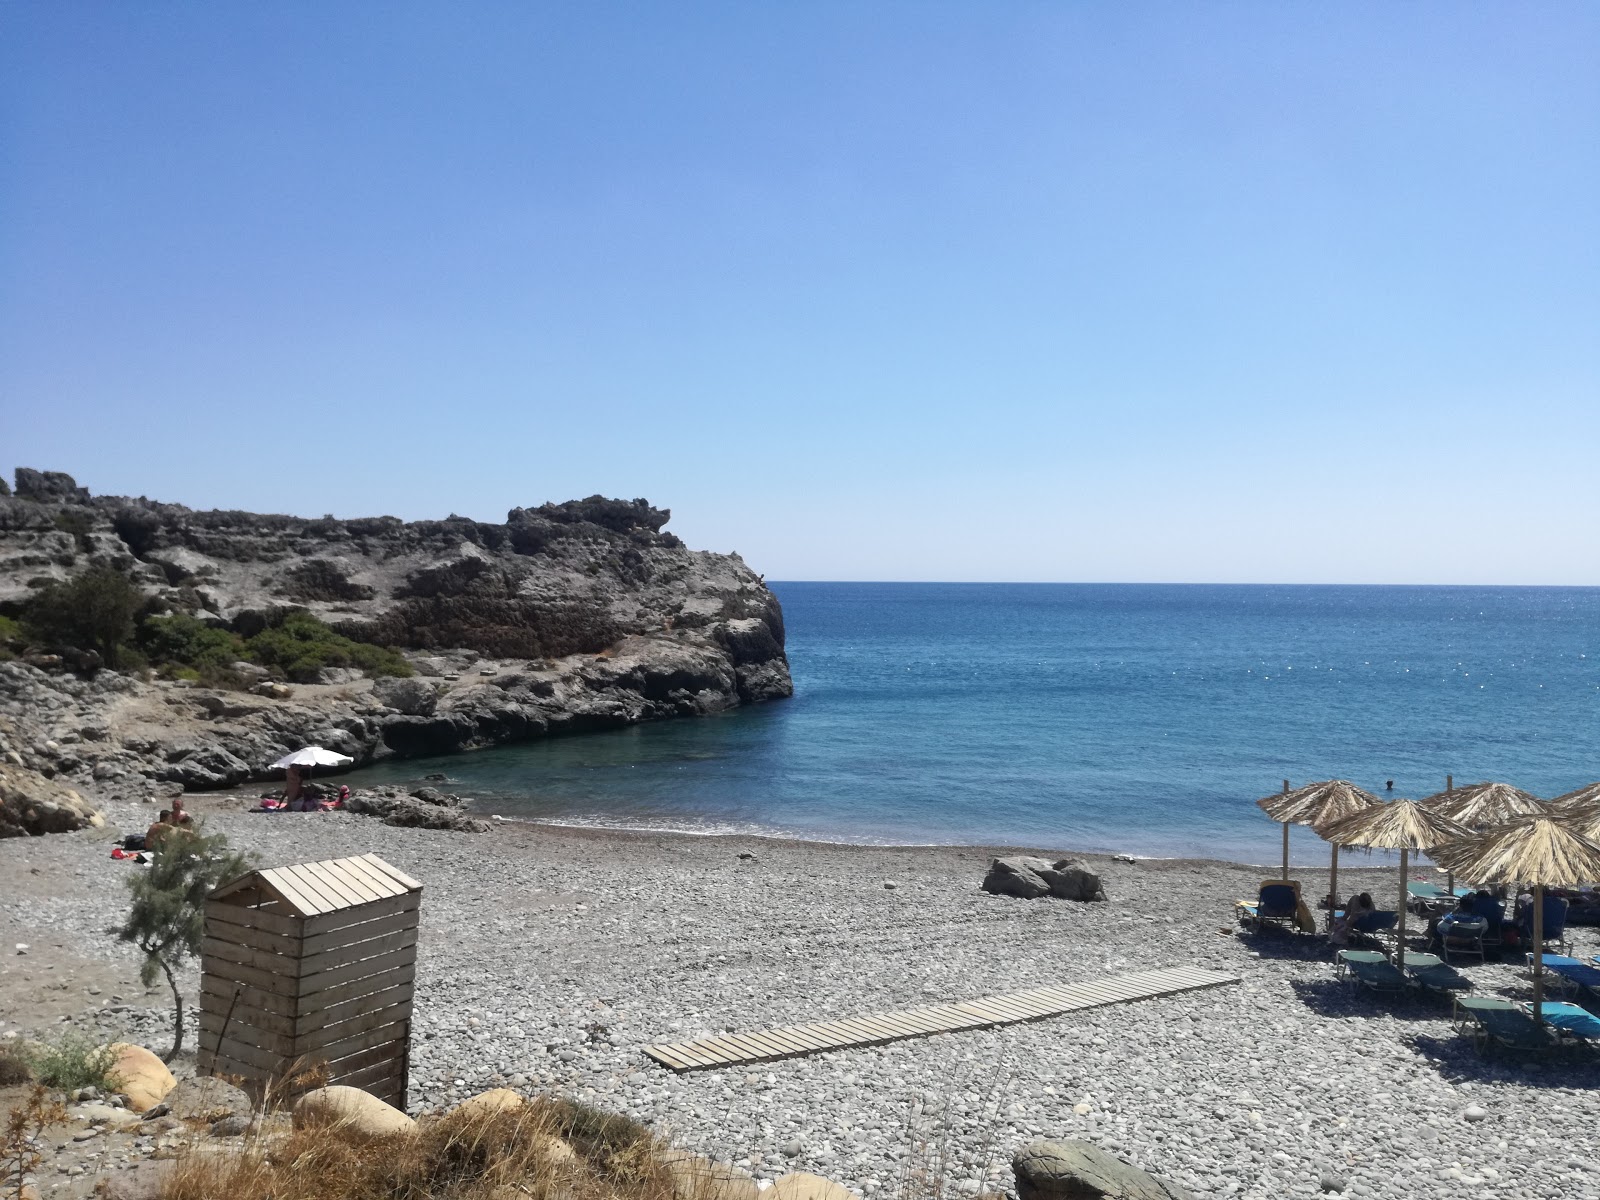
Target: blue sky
(1210, 292)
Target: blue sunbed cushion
(1581, 974)
(1556, 962)
(1569, 1017)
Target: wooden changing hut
(311, 964)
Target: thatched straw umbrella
(1537, 850)
(1484, 805)
(1402, 825)
(1318, 804)
(1585, 822)
(1584, 797)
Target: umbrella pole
(1333, 885)
(1286, 839)
(1449, 872)
(1403, 872)
(1538, 952)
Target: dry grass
(22, 1139)
(544, 1150)
(931, 1169)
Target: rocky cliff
(565, 618)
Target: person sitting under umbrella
(294, 789)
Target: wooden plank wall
(279, 994)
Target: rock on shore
(32, 804)
(566, 618)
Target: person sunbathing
(154, 836)
(1343, 926)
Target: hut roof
(311, 889)
(1481, 804)
(1537, 850)
(1398, 825)
(1318, 803)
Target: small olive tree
(168, 917)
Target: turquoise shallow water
(1137, 718)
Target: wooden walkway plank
(787, 1041)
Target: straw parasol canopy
(1318, 804)
(1541, 851)
(1402, 825)
(1584, 797)
(1585, 822)
(1481, 805)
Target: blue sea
(1132, 718)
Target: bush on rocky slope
(91, 611)
(299, 645)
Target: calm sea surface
(1144, 719)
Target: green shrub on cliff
(91, 611)
(11, 639)
(299, 645)
(186, 641)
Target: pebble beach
(551, 956)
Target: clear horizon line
(1180, 583)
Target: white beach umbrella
(313, 756)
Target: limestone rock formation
(1072, 1170)
(353, 1112)
(32, 804)
(557, 580)
(142, 1076)
(695, 1177)
(566, 618)
(802, 1185)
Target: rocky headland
(565, 618)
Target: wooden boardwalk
(790, 1041)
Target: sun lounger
(1370, 969)
(1462, 936)
(1554, 925)
(1491, 1021)
(1434, 975)
(1570, 973)
(1278, 903)
(1570, 1021)
(1374, 924)
(1465, 1006)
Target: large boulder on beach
(352, 1111)
(1029, 877)
(695, 1177)
(487, 1104)
(1016, 877)
(141, 1076)
(1071, 879)
(802, 1185)
(1071, 1170)
(30, 804)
